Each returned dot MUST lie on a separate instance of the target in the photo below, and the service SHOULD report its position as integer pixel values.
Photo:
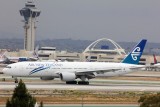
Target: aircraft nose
(4, 70)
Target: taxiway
(92, 87)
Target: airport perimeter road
(89, 105)
(91, 87)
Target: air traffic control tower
(30, 13)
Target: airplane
(71, 71)
(4, 59)
(9, 60)
(155, 65)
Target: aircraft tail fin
(88, 59)
(3, 55)
(155, 60)
(35, 53)
(134, 56)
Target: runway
(91, 87)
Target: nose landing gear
(16, 80)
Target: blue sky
(120, 20)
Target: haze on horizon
(120, 20)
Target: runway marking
(142, 90)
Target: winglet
(134, 56)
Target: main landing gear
(83, 83)
(16, 80)
(71, 82)
(79, 82)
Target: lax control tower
(30, 13)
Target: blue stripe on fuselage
(38, 69)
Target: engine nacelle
(66, 76)
(47, 78)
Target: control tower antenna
(30, 13)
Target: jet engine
(47, 78)
(66, 76)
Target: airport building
(91, 53)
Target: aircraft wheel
(83, 83)
(71, 82)
(16, 80)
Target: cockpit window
(8, 66)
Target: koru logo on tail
(135, 53)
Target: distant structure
(103, 54)
(30, 13)
(117, 50)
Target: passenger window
(8, 66)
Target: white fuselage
(42, 69)
(157, 65)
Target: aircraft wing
(98, 71)
(137, 67)
(156, 65)
(102, 71)
(32, 59)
